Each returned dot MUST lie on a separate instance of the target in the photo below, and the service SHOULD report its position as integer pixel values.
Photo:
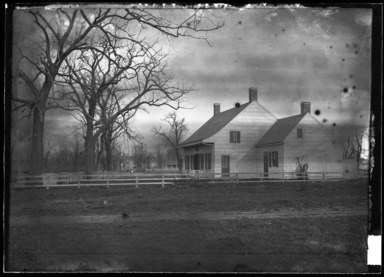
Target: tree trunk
(179, 159)
(89, 148)
(99, 152)
(358, 161)
(36, 160)
(108, 148)
(46, 163)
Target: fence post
(162, 180)
(137, 181)
(108, 183)
(323, 175)
(237, 179)
(282, 176)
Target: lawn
(259, 227)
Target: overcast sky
(290, 54)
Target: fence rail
(165, 179)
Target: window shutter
(276, 159)
(270, 159)
(238, 136)
(193, 162)
(209, 161)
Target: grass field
(260, 227)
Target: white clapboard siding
(253, 122)
(317, 147)
(260, 158)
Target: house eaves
(194, 143)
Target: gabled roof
(280, 130)
(214, 125)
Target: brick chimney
(216, 108)
(252, 94)
(305, 108)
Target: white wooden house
(300, 138)
(250, 139)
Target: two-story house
(250, 139)
(298, 139)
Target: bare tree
(140, 156)
(160, 156)
(48, 149)
(115, 129)
(76, 153)
(39, 71)
(66, 31)
(20, 147)
(173, 135)
(62, 155)
(353, 147)
(99, 158)
(117, 158)
(94, 76)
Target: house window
(186, 162)
(201, 161)
(273, 159)
(234, 136)
(299, 133)
(207, 160)
(192, 162)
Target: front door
(266, 164)
(225, 166)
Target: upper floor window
(299, 133)
(234, 136)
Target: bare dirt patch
(312, 227)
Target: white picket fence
(72, 180)
(165, 179)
